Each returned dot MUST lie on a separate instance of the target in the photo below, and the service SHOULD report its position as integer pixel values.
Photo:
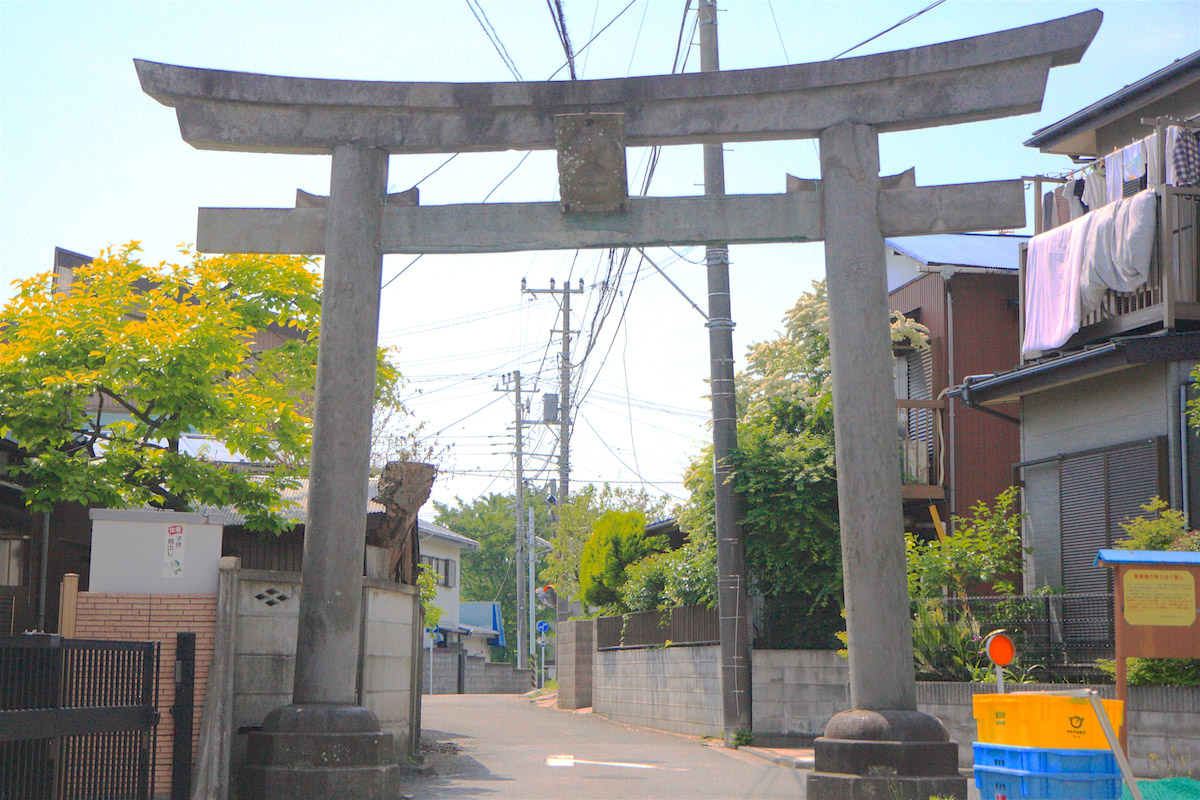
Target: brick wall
(157, 618)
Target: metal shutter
(1098, 491)
(1083, 520)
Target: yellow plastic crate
(1043, 720)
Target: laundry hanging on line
(1068, 269)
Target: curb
(794, 762)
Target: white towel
(1068, 269)
(1052, 276)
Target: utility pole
(562, 610)
(731, 585)
(531, 604)
(513, 379)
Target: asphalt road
(504, 746)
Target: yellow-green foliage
(618, 539)
(165, 350)
(427, 585)
(1160, 528)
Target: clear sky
(87, 160)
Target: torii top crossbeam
(983, 77)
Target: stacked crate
(1044, 747)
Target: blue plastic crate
(999, 783)
(1041, 759)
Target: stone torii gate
(845, 104)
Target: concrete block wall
(576, 646)
(387, 685)
(503, 678)
(672, 689)
(797, 691)
(157, 618)
(264, 661)
(1164, 730)
(478, 675)
(444, 672)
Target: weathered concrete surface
(650, 222)
(864, 409)
(883, 747)
(592, 176)
(996, 75)
(335, 533)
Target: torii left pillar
(324, 744)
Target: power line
(594, 38)
(786, 57)
(564, 38)
(909, 18)
(482, 18)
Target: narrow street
(504, 746)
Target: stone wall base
(835, 786)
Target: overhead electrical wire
(564, 38)
(909, 18)
(482, 18)
(599, 33)
(779, 33)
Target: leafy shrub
(618, 540)
(984, 548)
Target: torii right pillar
(883, 747)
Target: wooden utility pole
(731, 583)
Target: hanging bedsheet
(1068, 269)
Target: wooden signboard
(1156, 598)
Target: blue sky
(87, 160)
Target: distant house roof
(432, 529)
(1170, 78)
(985, 250)
(484, 619)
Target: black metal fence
(77, 718)
(1059, 638)
(677, 627)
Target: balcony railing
(919, 424)
(1170, 298)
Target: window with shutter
(1099, 490)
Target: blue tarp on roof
(988, 250)
(481, 614)
(1146, 557)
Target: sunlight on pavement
(570, 761)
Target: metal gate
(77, 718)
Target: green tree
(489, 573)
(574, 527)
(100, 381)
(618, 539)
(786, 481)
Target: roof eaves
(1170, 78)
(1113, 355)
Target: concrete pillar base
(829, 786)
(320, 752)
(889, 755)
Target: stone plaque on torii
(846, 104)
